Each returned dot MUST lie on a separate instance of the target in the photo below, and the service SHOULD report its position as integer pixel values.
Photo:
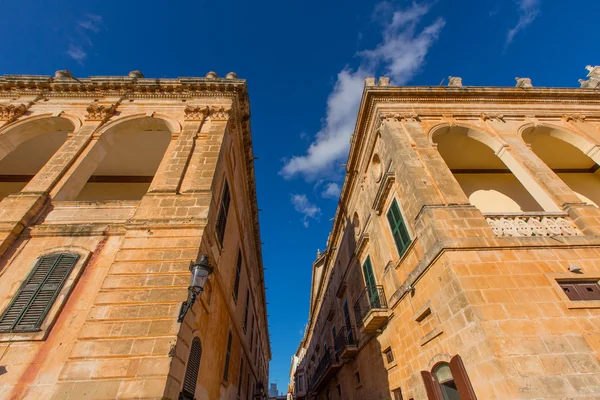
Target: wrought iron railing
(372, 297)
(327, 359)
(345, 338)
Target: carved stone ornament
(493, 117)
(455, 81)
(524, 82)
(574, 117)
(532, 226)
(195, 113)
(594, 78)
(219, 113)
(410, 117)
(10, 112)
(99, 112)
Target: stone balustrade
(532, 224)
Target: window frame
(238, 276)
(227, 358)
(400, 227)
(59, 301)
(223, 213)
(554, 279)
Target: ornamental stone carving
(494, 117)
(594, 78)
(531, 226)
(455, 81)
(195, 113)
(409, 117)
(10, 112)
(99, 112)
(219, 113)
(574, 117)
(524, 82)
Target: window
(339, 390)
(223, 212)
(35, 297)
(252, 333)
(238, 272)
(246, 312)
(399, 231)
(448, 381)
(248, 387)
(357, 377)
(191, 371)
(397, 394)
(389, 355)
(240, 377)
(581, 290)
(227, 356)
(301, 383)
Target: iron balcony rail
(345, 338)
(325, 363)
(372, 297)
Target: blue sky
(305, 62)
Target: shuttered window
(398, 227)
(448, 381)
(238, 272)
(227, 356)
(581, 290)
(223, 212)
(246, 312)
(191, 372)
(240, 377)
(397, 394)
(35, 297)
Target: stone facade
(476, 209)
(128, 175)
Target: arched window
(191, 371)
(35, 297)
(448, 381)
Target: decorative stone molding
(411, 117)
(10, 112)
(382, 192)
(195, 113)
(594, 78)
(455, 81)
(100, 112)
(219, 113)
(493, 117)
(573, 117)
(524, 82)
(531, 225)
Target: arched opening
(126, 160)
(443, 375)
(26, 148)
(356, 224)
(577, 170)
(486, 180)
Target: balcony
(346, 344)
(329, 365)
(371, 309)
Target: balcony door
(370, 282)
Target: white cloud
(305, 207)
(401, 53)
(92, 22)
(528, 12)
(332, 191)
(77, 53)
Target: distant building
(110, 187)
(464, 258)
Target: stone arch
(121, 161)
(27, 145)
(571, 156)
(492, 179)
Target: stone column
(202, 166)
(170, 173)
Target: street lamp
(200, 272)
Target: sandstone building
(110, 187)
(464, 258)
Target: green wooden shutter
(35, 297)
(370, 282)
(191, 371)
(398, 227)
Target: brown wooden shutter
(589, 290)
(35, 297)
(431, 386)
(191, 371)
(461, 379)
